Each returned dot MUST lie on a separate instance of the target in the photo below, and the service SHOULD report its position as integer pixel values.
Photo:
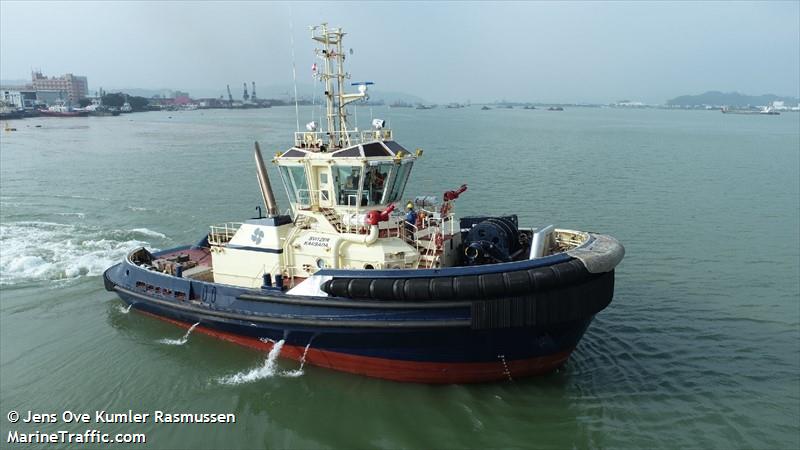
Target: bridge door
(325, 188)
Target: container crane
(245, 96)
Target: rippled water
(700, 347)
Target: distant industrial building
(18, 97)
(69, 87)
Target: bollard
(279, 281)
(267, 283)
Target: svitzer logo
(257, 236)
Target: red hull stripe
(397, 370)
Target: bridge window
(399, 182)
(347, 181)
(376, 183)
(294, 178)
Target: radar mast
(333, 75)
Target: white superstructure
(342, 185)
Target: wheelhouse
(363, 176)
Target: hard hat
(409, 205)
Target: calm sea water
(700, 347)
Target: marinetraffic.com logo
(257, 236)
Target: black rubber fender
(468, 287)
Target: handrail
(222, 234)
(313, 197)
(338, 139)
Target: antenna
(333, 57)
(314, 80)
(294, 70)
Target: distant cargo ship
(766, 111)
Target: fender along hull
(453, 340)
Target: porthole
(320, 263)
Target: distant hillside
(716, 98)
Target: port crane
(245, 96)
(230, 97)
(253, 96)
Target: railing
(308, 197)
(338, 139)
(223, 233)
(442, 224)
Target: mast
(332, 54)
(340, 78)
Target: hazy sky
(447, 51)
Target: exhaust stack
(263, 183)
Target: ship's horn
(263, 183)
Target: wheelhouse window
(294, 178)
(347, 181)
(376, 182)
(401, 174)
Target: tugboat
(98, 109)
(62, 110)
(349, 283)
(126, 107)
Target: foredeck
(195, 263)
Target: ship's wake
(42, 251)
(268, 370)
(182, 340)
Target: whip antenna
(294, 70)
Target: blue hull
(452, 340)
